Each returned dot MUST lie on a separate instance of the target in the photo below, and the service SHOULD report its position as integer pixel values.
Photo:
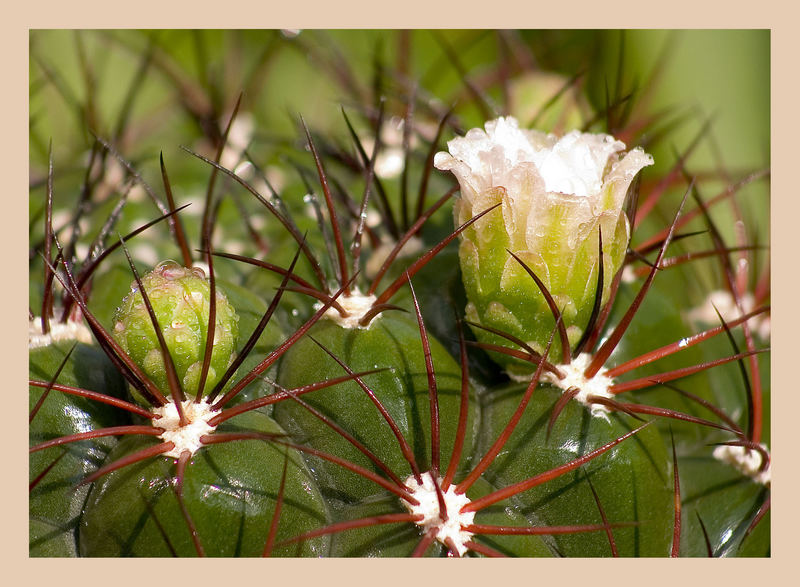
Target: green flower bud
(555, 194)
(181, 301)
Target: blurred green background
(722, 72)
(149, 92)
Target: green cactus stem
(391, 343)
(230, 492)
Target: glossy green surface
(632, 480)
(391, 342)
(725, 501)
(400, 539)
(230, 492)
(55, 502)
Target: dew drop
(169, 269)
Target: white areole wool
(356, 305)
(428, 508)
(184, 437)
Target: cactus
(359, 354)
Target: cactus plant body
(469, 306)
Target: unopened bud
(181, 300)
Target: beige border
(413, 13)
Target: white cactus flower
(555, 193)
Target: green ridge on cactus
(230, 492)
(55, 504)
(391, 342)
(632, 480)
